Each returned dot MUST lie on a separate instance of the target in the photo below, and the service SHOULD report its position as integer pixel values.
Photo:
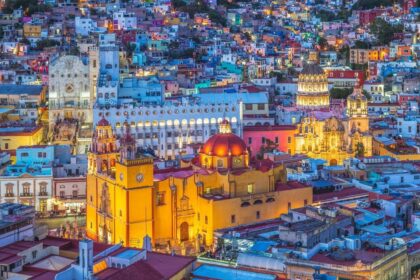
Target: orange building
(127, 197)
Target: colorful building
(336, 139)
(128, 198)
(281, 136)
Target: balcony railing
(9, 195)
(26, 194)
(43, 194)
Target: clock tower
(120, 189)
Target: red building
(407, 5)
(368, 16)
(345, 77)
(282, 136)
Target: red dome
(103, 122)
(221, 144)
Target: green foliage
(278, 75)
(248, 36)
(361, 45)
(384, 31)
(228, 4)
(200, 6)
(29, 6)
(326, 15)
(344, 53)
(187, 53)
(322, 42)
(360, 150)
(370, 4)
(340, 93)
(46, 43)
(362, 67)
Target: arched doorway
(333, 162)
(184, 231)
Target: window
(289, 140)
(250, 188)
(6, 146)
(24, 154)
(257, 215)
(160, 198)
(232, 219)
(26, 189)
(206, 220)
(219, 163)
(75, 194)
(198, 216)
(261, 106)
(263, 140)
(276, 140)
(289, 205)
(248, 106)
(249, 140)
(305, 202)
(34, 253)
(62, 194)
(9, 189)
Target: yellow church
(334, 138)
(128, 198)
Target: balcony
(9, 195)
(43, 194)
(26, 194)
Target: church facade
(128, 198)
(70, 101)
(328, 135)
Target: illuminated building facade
(127, 197)
(336, 139)
(313, 88)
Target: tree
(370, 4)
(322, 42)
(340, 93)
(248, 36)
(361, 45)
(384, 31)
(360, 150)
(46, 43)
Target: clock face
(69, 88)
(139, 177)
(121, 176)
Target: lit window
(250, 188)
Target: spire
(127, 144)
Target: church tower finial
(128, 147)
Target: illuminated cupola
(224, 150)
(312, 87)
(357, 104)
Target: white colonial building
(69, 90)
(167, 129)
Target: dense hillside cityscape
(210, 139)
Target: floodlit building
(128, 198)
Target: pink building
(257, 136)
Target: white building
(84, 26)
(123, 20)
(69, 93)
(168, 128)
(408, 126)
